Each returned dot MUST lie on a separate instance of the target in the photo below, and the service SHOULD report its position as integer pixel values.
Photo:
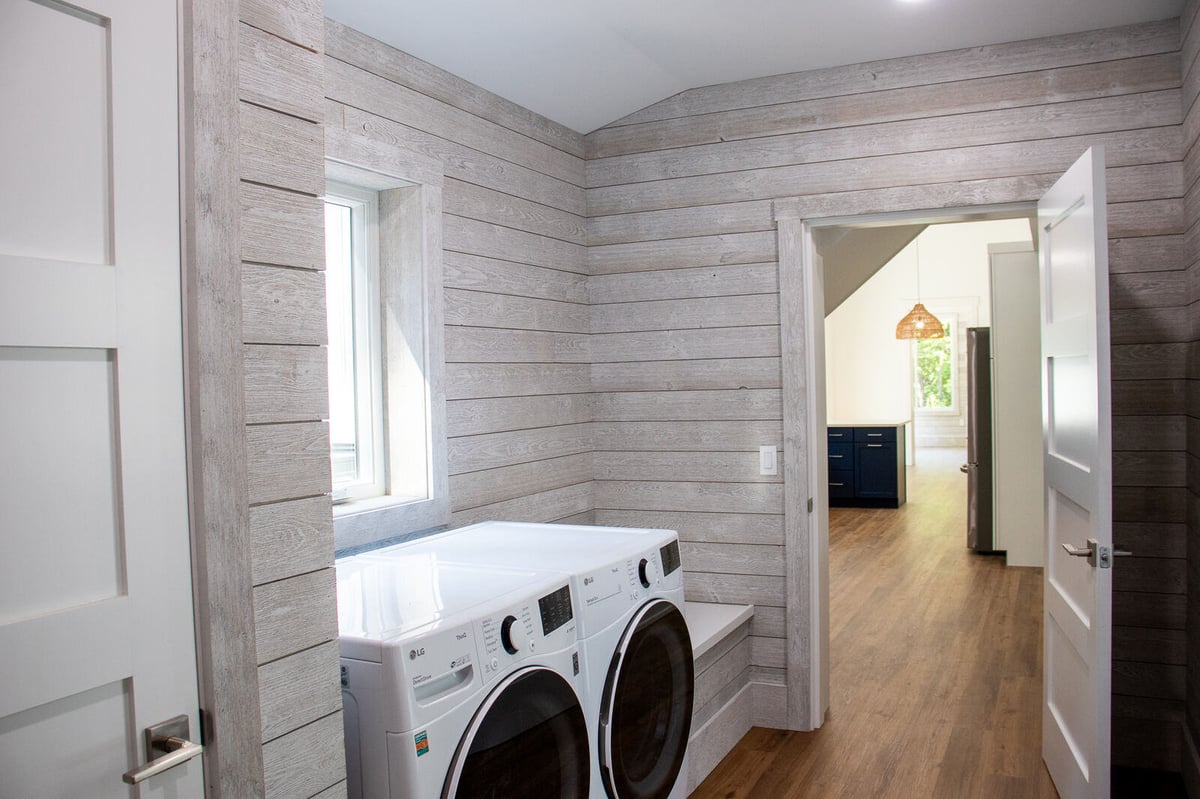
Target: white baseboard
(1191, 763)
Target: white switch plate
(768, 460)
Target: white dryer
(459, 681)
(627, 585)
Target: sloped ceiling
(586, 64)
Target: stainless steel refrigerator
(980, 533)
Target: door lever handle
(171, 739)
(1097, 554)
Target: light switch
(768, 462)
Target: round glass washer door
(528, 739)
(646, 714)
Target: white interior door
(1077, 436)
(96, 628)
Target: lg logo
(413, 654)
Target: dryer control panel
(525, 630)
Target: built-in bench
(721, 712)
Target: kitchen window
(934, 371)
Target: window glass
(355, 427)
(933, 375)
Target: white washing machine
(627, 585)
(460, 681)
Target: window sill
(361, 522)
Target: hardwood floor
(935, 665)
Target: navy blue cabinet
(866, 466)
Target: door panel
(96, 631)
(1077, 434)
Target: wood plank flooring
(935, 665)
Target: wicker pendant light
(919, 322)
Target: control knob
(513, 635)
(648, 573)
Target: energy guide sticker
(422, 742)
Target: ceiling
(585, 64)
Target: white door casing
(1077, 449)
(96, 618)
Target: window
(386, 353)
(933, 371)
(356, 429)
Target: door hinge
(810, 504)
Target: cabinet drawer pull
(837, 484)
(874, 435)
(836, 457)
(836, 435)
(875, 445)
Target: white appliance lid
(385, 597)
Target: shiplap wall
(1190, 23)
(685, 315)
(287, 441)
(517, 333)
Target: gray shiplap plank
(488, 205)
(716, 497)
(735, 589)
(747, 309)
(1164, 433)
(702, 527)
(666, 406)
(306, 762)
(1151, 325)
(733, 248)
(1146, 289)
(287, 461)
(697, 375)
(477, 273)
(678, 223)
(492, 380)
(769, 622)
(277, 74)
(296, 21)
(545, 506)
(674, 284)
(282, 227)
(290, 538)
(281, 150)
(482, 345)
(729, 467)
(283, 306)
(285, 383)
(734, 558)
(348, 44)
(1055, 52)
(670, 345)
(361, 89)
(294, 614)
(1145, 254)
(482, 309)
(495, 241)
(493, 450)
(299, 689)
(489, 487)
(676, 436)
(468, 417)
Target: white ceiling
(585, 64)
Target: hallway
(935, 686)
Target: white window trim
(368, 360)
(410, 225)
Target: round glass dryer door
(646, 715)
(528, 739)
